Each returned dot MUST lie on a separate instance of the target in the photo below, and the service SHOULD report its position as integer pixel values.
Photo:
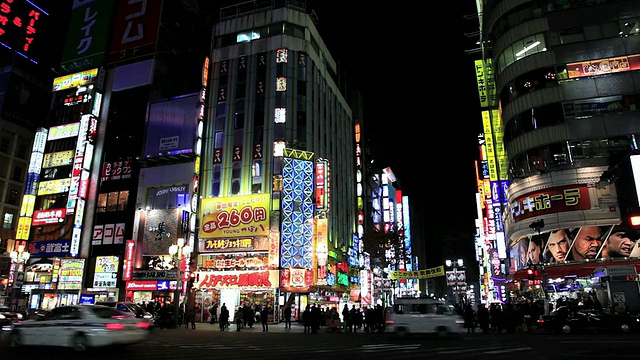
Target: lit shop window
(280, 115)
(281, 83)
(282, 55)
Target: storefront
(574, 283)
(235, 288)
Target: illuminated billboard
(235, 216)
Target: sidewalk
(257, 327)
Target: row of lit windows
(113, 201)
(566, 153)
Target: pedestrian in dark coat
(483, 319)
(191, 317)
(264, 317)
(287, 317)
(469, 319)
(224, 317)
(306, 319)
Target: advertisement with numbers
(235, 216)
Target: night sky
(422, 112)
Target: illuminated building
(560, 119)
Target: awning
(583, 269)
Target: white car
(425, 316)
(80, 327)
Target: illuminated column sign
(322, 186)
(386, 212)
(195, 194)
(359, 190)
(400, 229)
(31, 188)
(129, 256)
(407, 231)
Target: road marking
(507, 350)
(460, 351)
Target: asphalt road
(207, 342)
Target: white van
(424, 316)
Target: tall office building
(277, 182)
(559, 96)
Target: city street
(279, 343)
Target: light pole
(176, 251)
(18, 260)
(455, 264)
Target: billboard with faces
(577, 244)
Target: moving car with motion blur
(423, 316)
(8, 319)
(131, 309)
(576, 318)
(80, 327)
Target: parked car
(8, 318)
(80, 327)
(576, 318)
(423, 315)
(132, 309)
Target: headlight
(148, 316)
(19, 316)
(2, 316)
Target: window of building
(6, 141)
(18, 172)
(7, 221)
(101, 206)
(13, 196)
(4, 165)
(215, 183)
(23, 149)
(116, 200)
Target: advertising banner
(418, 274)
(135, 30)
(235, 216)
(49, 248)
(87, 36)
(170, 126)
(237, 279)
(551, 201)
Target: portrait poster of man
(557, 246)
(621, 241)
(587, 242)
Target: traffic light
(609, 176)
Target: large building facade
(558, 90)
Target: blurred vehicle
(576, 318)
(425, 316)
(8, 318)
(132, 309)
(80, 327)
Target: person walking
(346, 318)
(192, 318)
(214, 313)
(469, 319)
(238, 318)
(264, 317)
(287, 317)
(224, 317)
(306, 319)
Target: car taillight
(114, 326)
(143, 325)
(540, 320)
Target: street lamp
(176, 251)
(18, 259)
(455, 264)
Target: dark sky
(421, 103)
